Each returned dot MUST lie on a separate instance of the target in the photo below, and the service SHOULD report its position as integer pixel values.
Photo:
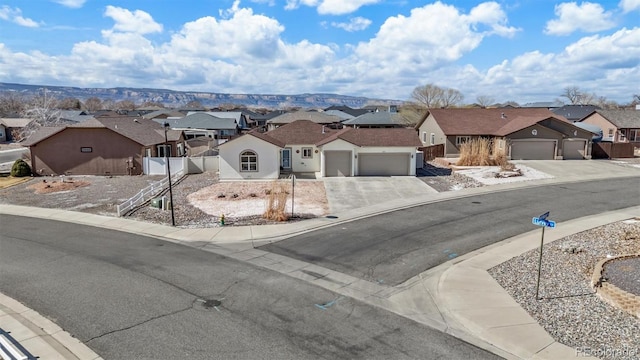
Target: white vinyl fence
(180, 166)
(149, 192)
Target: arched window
(248, 161)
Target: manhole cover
(208, 304)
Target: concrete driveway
(346, 193)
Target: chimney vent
(503, 116)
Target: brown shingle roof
(41, 134)
(486, 121)
(301, 132)
(381, 137)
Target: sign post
(541, 221)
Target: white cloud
(354, 24)
(15, 15)
(74, 4)
(331, 7)
(629, 5)
(597, 64)
(588, 17)
(138, 21)
(243, 52)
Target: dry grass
(8, 181)
(46, 186)
(478, 152)
(277, 201)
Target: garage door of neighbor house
(533, 149)
(337, 163)
(383, 164)
(573, 149)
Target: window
(307, 153)
(634, 135)
(164, 151)
(462, 139)
(623, 135)
(424, 137)
(610, 133)
(86, 149)
(147, 152)
(248, 161)
(433, 139)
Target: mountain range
(173, 98)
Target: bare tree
(484, 100)
(125, 105)
(411, 114)
(577, 97)
(433, 96)
(69, 104)
(11, 103)
(43, 111)
(93, 104)
(109, 104)
(152, 104)
(193, 104)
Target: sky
(519, 50)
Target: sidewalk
(458, 297)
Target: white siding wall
(298, 164)
(428, 127)
(268, 159)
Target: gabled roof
(168, 112)
(15, 122)
(313, 116)
(387, 137)
(255, 133)
(622, 118)
(301, 132)
(376, 118)
(486, 121)
(575, 112)
(200, 120)
(143, 131)
(348, 110)
(237, 115)
(519, 123)
(341, 114)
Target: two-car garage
(339, 163)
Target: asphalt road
(394, 247)
(134, 297)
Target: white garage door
(337, 163)
(533, 149)
(573, 149)
(383, 164)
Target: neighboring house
(313, 116)
(341, 114)
(163, 114)
(307, 147)
(519, 133)
(380, 119)
(10, 125)
(203, 124)
(550, 105)
(74, 116)
(102, 146)
(238, 116)
(348, 110)
(575, 113)
(618, 126)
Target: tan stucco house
(519, 133)
(618, 126)
(101, 146)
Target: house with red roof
(519, 133)
(304, 146)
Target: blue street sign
(544, 216)
(543, 222)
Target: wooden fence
(607, 150)
(432, 152)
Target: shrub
(20, 169)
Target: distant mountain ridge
(174, 98)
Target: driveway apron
(347, 193)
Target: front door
(285, 158)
